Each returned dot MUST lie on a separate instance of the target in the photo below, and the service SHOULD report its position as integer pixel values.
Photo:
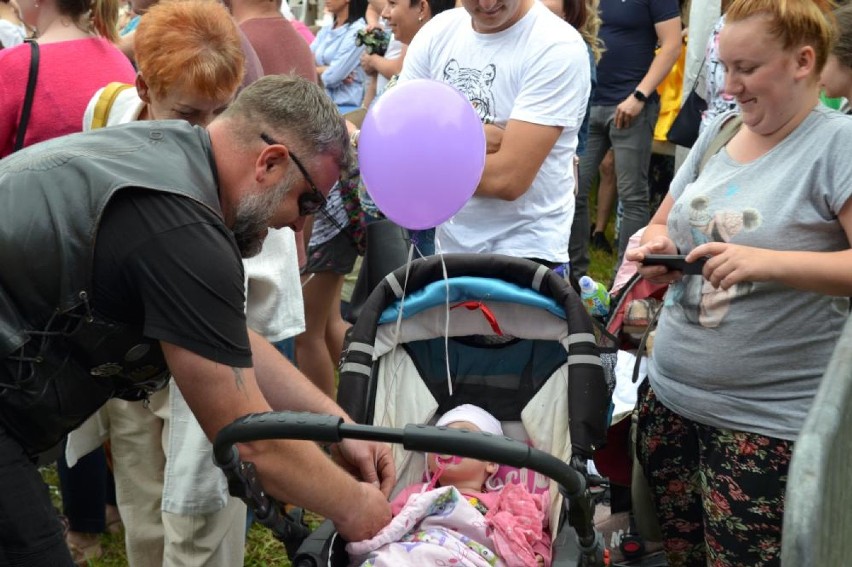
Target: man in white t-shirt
(526, 72)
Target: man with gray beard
(121, 263)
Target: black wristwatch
(640, 96)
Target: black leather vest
(59, 362)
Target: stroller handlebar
(472, 444)
(427, 438)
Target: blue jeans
(632, 149)
(287, 347)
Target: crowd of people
(176, 219)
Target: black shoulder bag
(28, 98)
(684, 128)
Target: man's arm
(510, 171)
(291, 471)
(553, 95)
(670, 39)
(285, 388)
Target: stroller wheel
(632, 545)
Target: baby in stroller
(463, 513)
(505, 334)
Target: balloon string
(398, 326)
(440, 253)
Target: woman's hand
(655, 274)
(731, 263)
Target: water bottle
(595, 297)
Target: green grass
(262, 549)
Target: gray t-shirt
(751, 358)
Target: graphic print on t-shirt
(475, 84)
(708, 225)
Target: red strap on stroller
(486, 312)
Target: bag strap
(105, 102)
(728, 130)
(643, 343)
(28, 97)
(699, 74)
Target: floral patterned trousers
(719, 493)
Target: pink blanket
(517, 524)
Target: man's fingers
(387, 473)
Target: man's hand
(372, 462)
(364, 517)
(627, 111)
(493, 138)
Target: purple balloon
(421, 151)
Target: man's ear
(142, 89)
(272, 161)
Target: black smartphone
(675, 263)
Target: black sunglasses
(309, 203)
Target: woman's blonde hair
(793, 22)
(592, 28)
(192, 42)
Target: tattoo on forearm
(238, 374)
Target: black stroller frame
(587, 414)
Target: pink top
(304, 31)
(70, 72)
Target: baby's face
(462, 473)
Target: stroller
(506, 334)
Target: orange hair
(194, 43)
(793, 22)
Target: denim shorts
(337, 255)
